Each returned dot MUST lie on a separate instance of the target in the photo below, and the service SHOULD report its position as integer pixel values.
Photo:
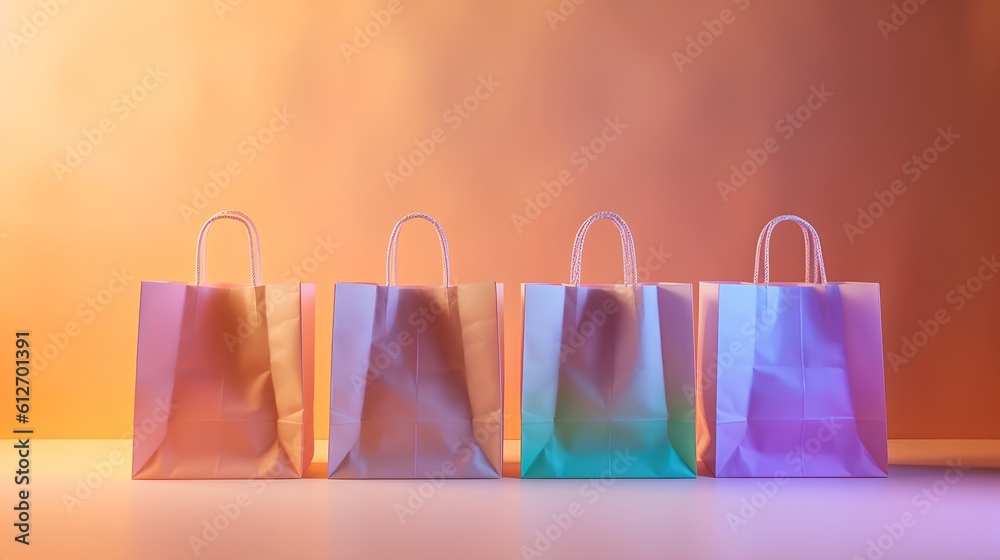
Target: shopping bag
(790, 375)
(416, 377)
(224, 375)
(604, 373)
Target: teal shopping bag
(607, 376)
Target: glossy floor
(83, 505)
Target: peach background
(323, 175)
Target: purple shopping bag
(790, 375)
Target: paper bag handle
(391, 268)
(806, 234)
(630, 272)
(813, 250)
(256, 265)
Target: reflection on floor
(941, 501)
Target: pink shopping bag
(224, 375)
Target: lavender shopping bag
(604, 373)
(790, 375)
(416, 378)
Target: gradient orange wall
(199, 78)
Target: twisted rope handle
(807, 236)
(630, 271)
(811, 237)
(256, 264)
(391, 268)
